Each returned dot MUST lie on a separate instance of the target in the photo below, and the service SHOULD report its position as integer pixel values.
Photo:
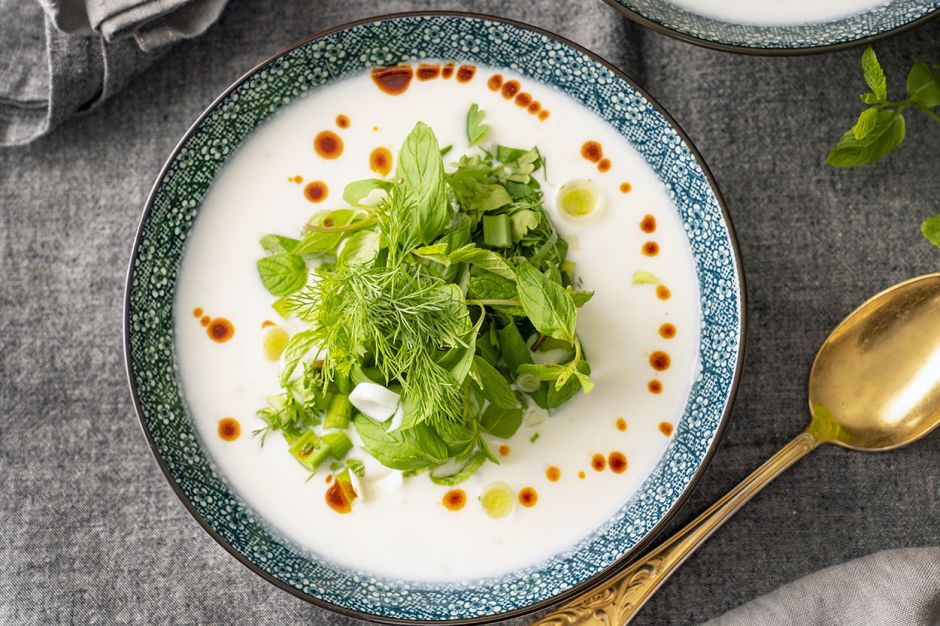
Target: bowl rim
(768, 52)
(587, 584)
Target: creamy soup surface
(779, 12)
(400, 527)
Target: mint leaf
(866, 123)
(296, 349)
(580, 298)
(357, 191)
(465, 472)
(406, 450)
(924, 86)
(282, 274)
(476, 129)
(494, 387)
(931, 230)
(868, 98)
(484, 259)
(276, 244)
(883, 139)
(500, 422)
(321, 243)
(543, 371)
(491, 287)
(547, 305)
(874, 75)
(421, 169)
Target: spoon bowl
(875, 384)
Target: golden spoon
(875, 385)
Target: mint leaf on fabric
(874, 75)
(866, 123)
(886, 135)
(548, 306)
(282, 274)
(923, 86)
(931, 230)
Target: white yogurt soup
(778, 13)
(568, 472)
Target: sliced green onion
(310, 450)
(580, 198)
(339, 443)
(497, 232)
(338, 412)
(496, 500)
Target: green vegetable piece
(323, 243)
(421, 170)
(357, 467)
(282, 306)
(361, 247)
(886, 135)
(497, 500)
(338, 412)
(501, 422)
(931, 230)
(493, 386)
(548, 306)
(276, 244)
(413, 449)
(580, 298)
(534, 438)
(310, 450)
(484, 259)
(476, 129)
(874, 75)
(644, 278)
(515, 351)
(339, 444)
(282, 274)
(465, 472)
(522, 222)
(496, 231)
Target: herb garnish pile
(439, 287)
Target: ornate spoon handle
(618, 600)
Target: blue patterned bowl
(890, 18)
(175, 202)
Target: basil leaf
(297, 348)
(866, 123)
(458, 360)
(547, 305)
(320, 243)
(408, 450)
(463, 473)
(476, 129)
(282, 274)
(459, 438)
(924, 86)
(484, 259)
(493, 385)
(881, 141)
(360, 248)
(543, 371)
(276, 244)
(358, 190)
(931, 230)
(515, 351)
(874, 75)
(580, 298)
(421, 169)
(501, 422)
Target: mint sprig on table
(445, 299)
(881, 128)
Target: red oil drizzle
(621, 424)
(523, 100)
(592, 151)
(380, 161)
(553, 474)
(535, 107)
(342, 121)
(650, 248)
(495, 82)
(654, 386)
(329, 478)
(648, 224)
(663, 293)
(220, 330)
(197, 312)
(316, 191)
(455, 499)
(625, 187)
(447, 71)
(660, 361)
(338, 499)
(229, 429)
(528, 497)
(603, 166)
(544, 115)
(205, 320)
(667, 331)
(465, 73)
(328, 145)
(598, 462)
(510, 89)
(617, 462)
(504, 450)
(665, 428)
(428, 71)
(393, 80)
(581, 475)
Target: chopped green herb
(534, 438)
(476, 129)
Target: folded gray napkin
(60, 57)
(889, 588)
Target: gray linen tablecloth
(91, 533)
